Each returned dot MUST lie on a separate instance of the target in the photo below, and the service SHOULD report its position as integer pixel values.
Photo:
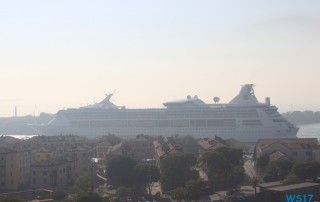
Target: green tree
(213, 161)
(123, 193)
(262, 162)
(291, 178)
(113, 139)
(59, 195)
(83, 184)
(92, 197)
(223, 166)
(232, 155)
(120, 170)
(194, 189)
(176, 170)
(178, 193)
(284, 166)
(214, 165)
(10, 199)
(236, 175)
(188, 143)
(307, 170)
(147, 175)
(277, 170)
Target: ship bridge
(190, 102)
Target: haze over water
(309, 131)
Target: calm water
(309, 130)
(22, 136)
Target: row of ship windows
(166, 117)
(194, 131)
(176, 123)
(172, 123)
(161, 112)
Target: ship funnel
(268, 100)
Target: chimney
(268, 100)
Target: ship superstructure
(243, 118)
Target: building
(209, 144)
(296, 149)
(281, 193)
(25, 158)
(43, 161)
(15, 168)
(58, 141)
(44, 154)
(81, 157)
(49, 174)
(102, 150)
(165, 146)
(140, 148)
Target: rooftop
(294, 186)
(270, 184)
(276, 155)
(291, 143)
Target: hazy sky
(67, 53)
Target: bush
(59, 195)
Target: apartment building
(80, 156)
(49, 174)
(59, 141)
(14, 168)
(140, 148)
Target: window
(44, 172)
(34, 172)
(308, 153)
(44, 181)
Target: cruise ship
(244, 118)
